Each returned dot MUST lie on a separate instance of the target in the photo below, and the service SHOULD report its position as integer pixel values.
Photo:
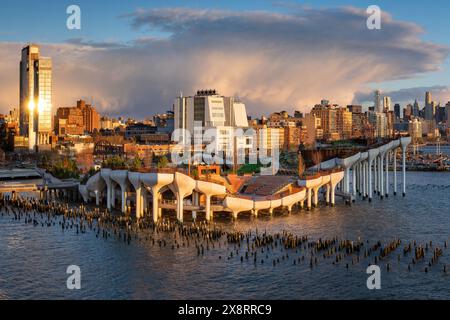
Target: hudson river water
(429, 149)
(33, 260)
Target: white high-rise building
(415, 128)
(217, 115)
(35, 97)
(379, 121)
(377, 101)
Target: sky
(134, 57)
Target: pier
(364, 173)
(17, 181)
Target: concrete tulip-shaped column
(236, 205)
(135, 179)
(184, 185)
(362, 174)
(386, 170)
(354, 184)
(347, 164)
(209, 214)
(367, 174)
(82, 190)
(335, 178)
(379, 173)
(391, 146)
(292, 199)
(106, 175)
(96, 185)
(97, 198)
(310, 184)
(121, 177)
(332, 194)
(404, 142)
(274, 203)
(325, 181)
(394, 163)
(309, 199)
(209, 189)
(156, 181)
(195, 203)
(383, 153)
(315, 198)
(395, 145)
(362, 180)
(382, 175)
(160, 209)
(327, 194)
(373, 153)
(375, 175)
(261, 204)
(144, 200)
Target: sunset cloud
(272, 61)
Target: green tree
(163, 162)
(135, 164)
(65, 168)
(114, 162)
(249, 169)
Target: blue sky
(103, 21)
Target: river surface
(432, 149)
(33, 260)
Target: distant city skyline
(134, 58)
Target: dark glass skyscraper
(397, 110)
(35, 97)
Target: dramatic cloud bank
(271, 61)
